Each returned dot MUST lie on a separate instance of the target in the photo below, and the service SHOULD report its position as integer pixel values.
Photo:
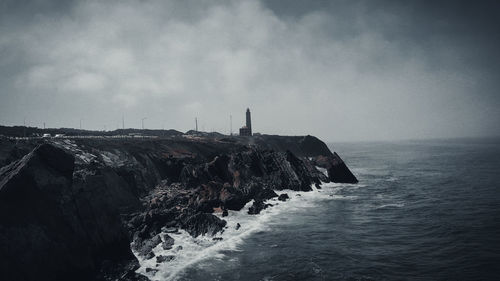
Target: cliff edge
(79, 208)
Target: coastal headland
(83, 208)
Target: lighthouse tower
(247, 129)
(249, 122)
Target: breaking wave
(189, 251)
(396, 205)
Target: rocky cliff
(76, 209)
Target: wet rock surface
(201, 224)
(168, 242)
(160, 259)
(336, 168)
(257, 206)
(147, 245)
(283, 197)
(104, 198)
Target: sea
(422, 210)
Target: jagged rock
(75, 201)
(160, 259)
(257, 206)
(284, 174)
(58, 232)
(192, 176)
(302, 172)
(225, 213)
(122, 271)
(218, 169)
(168, 242)
(283, 197)
(144, 247)
(149, 255)
(232, 198)
(238, 225)
(266, 194)
(206, 197)
(170, 229)
(338, 171)
(201, 224)
(336, 168)
(153, 220)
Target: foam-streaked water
(422, 211)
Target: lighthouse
(249, 122)
(247, 129)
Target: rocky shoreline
(77, 208)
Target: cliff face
(70, 209)
(50, 226)
(312, 148)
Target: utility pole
(123, 121)
(230, 124)
(196, 123)
(24, 129)
(81, 124)
(143, 121)
(44, 125)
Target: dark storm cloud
(448, 33)
(353, 70)
(471, 24)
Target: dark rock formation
(149, 255)
(79, 205)
(301, 146)
(168, 242)
(147, 245)
(283, 197)
(160, 259)
(170, 229)
(49, 230)
(232, 198)
(257, 206)
(200, 224)
(310, 146)
(337, 169)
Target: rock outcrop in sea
(78, 209)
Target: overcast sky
(340, 70)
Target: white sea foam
(394, 205)
(199, 249)
(392, 179)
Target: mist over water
(425, 210)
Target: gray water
(427, 210)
